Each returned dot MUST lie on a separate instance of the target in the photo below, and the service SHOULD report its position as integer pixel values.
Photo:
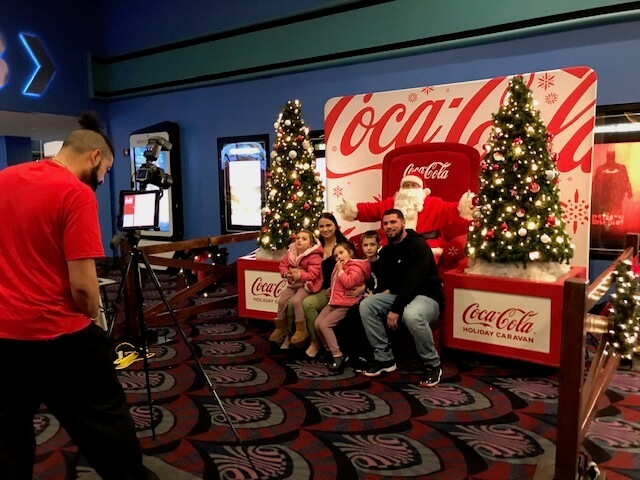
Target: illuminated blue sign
(44, 69)
(4, 68)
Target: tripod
(134, 257)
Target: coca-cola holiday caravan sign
(361, 129)
(502, 319)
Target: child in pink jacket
(301, 266)
(347, 274)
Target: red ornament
(293, 198)
(495, 166)
(520, 213)
(515, 167)
(296, 183)
(475, 201)
(534, 187)
(490, 235)
(504, 227)
(306, 206)
(554, 156)
(299, 138)
(517, 141)
(484, 167)
(269, 174)
(550, 136)
(551, 220)
(498, 156)
(556, 181)
(486, 147)
(476, 224)
(285, 224)
(265, 229)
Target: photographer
(51, 349)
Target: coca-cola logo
(376, 128)
(261, 288)
(433, 171)
(510, 319)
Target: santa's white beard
(410, 201)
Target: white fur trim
(427, 192)
(437, 251)
(349, 211)
(413, 179)
(465, 205)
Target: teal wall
(354, 32)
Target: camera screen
(139, 209)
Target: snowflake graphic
(546, 81)
(551, 98)
(413, 97)
(576, 211)
(337, 192)
(427, 90)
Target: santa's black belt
(431, 235)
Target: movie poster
(615, 196)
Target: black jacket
(410, 270)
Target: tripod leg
(156, 282)
(143, 331)
(114, 315)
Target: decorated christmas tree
(624, 311)
(294, 188)
(518, 229)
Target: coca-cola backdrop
(361, 129)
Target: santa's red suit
(435, 214)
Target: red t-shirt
(47, 217)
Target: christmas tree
(294, 199)
(518, 216)
(624, 311)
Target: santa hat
(413, 179)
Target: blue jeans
(417, 316)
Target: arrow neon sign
(45, 70)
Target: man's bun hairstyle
(90, 121)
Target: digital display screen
(138, 210)
(164, 219)
(246, 192)
(243, 167)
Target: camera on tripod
(149, 173)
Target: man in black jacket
(415, 297)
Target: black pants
(74, 377)
(351, 335)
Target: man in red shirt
(51, 349)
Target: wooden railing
(158, 314)
(578, 395)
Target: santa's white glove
(465, 205)
(348, 210)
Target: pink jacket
(354, 273)
(309, 261)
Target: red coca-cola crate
(506, 317)
(259, 286)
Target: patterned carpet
(488, 418)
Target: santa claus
(423, 213)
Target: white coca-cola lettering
(434, 171)
(267, 289)
(515, 319)
(363, 123)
